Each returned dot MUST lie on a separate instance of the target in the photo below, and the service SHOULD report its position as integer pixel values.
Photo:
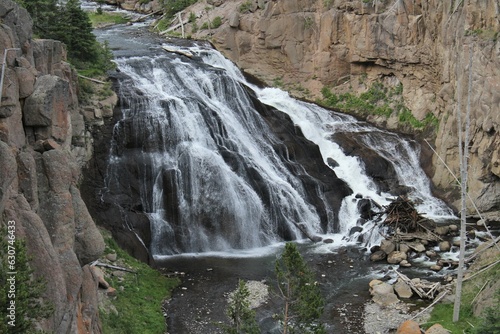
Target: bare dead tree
(463, 156)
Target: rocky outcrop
(40, 120)
(347, 45)
(136, 5)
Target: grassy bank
(136, 307)
(475, 291)
(104, 19)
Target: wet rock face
(307, 155)
(39, 175)
(376, 167)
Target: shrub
(216, 22)
(246, 7)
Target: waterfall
(196, 145)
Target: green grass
(378, 100)
(139, 304)
(443, 313)
(105, 18)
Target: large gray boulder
(48, 107)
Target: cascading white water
(319, 124)
(212, 179)
(191, 116)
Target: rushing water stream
(197, 151)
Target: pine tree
(75, 30)
(303, 303)
(242, 317)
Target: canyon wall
(43, 145)
(347, 45)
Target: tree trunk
(464, 155)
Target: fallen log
(180, 52)
(91, 79)
(100, 264)
(177, 26)
(441, 296)
(142, 18)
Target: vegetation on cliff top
(69, 24)
(377, 100)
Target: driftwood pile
(403, 216)
(406, 223)
(423, 288)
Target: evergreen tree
(71, 25)
(75, 30)
(21, 288)
(241, 316)
(303, 303)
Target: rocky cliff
(43, 144)
(347, 45)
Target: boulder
(355, 229)
(417, 246)
(409, 327)
(387, 246)
(404, 248)
(119, 273)
(402, 289)
(430, 253)
(48, 107)
(437, 329)
(442, 230)
(383, 293)
(378, 256)
(396, 257)
(111, 257)
(215, 3)
(405, 263)
(234, 19)
(111, 292)
(26, 80)
(444, 246)
(435, 267)
(98, 275)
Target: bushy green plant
(216, 22)
(241, 316)
(171, 7)
(246, 7)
